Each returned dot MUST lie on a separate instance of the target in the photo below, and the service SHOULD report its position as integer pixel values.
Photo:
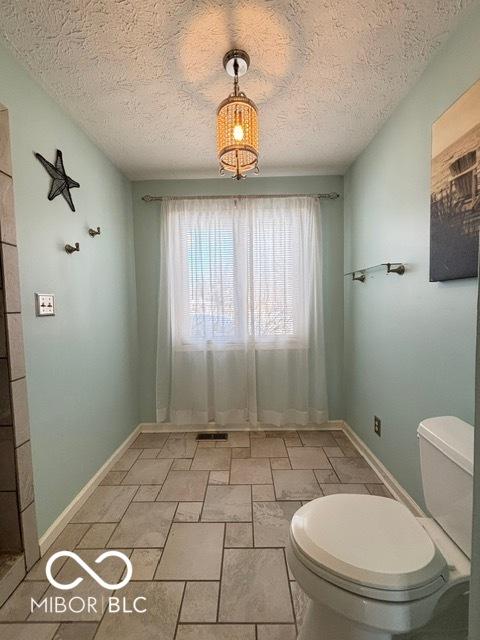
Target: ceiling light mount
(239, 58)
(237, 122)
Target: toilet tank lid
(452, 436)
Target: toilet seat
(369, 545)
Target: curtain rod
(323, 196)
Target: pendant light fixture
(237, 122)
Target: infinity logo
(87, 569)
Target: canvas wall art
(455, 190)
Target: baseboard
(389, 480)
(168, 427)
(67, 514)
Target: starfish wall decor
(61, 183)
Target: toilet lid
(369, 540)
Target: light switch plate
(44, 304)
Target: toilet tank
(446, 457)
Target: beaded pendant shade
(237, 123)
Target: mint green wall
(147, 260)
(81, 363)
(409, 343)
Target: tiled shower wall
(18, 530)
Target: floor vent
(212, 436)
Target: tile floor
(205, 525)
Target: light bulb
(238, 132)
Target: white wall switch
(44, 304)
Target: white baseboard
(389, 480)
(67, 514)
(168, 427)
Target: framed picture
(455, 190)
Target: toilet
(370, 567)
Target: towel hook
(93, 232)
(70, 249)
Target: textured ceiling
(143, 77)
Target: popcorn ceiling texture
(143, 78)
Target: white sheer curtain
(240, 313)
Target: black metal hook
(93, 232)
(70, 249)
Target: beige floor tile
(341, 437)
(252, 471)
(127, 460)
(332, 488)
(277, 433)
(145, 562)
(240, 452)
(349, 451)
(215, 632)
(276, 632)
(145, 524)
(157, 533)
(254, 587)
(300, 602)
(326, 475)
(379, 490)
(97, 536)
(268, 448)
(76, 631)
(235, 439)
(333, 452)
(188, 512)
(111, 571)
(106, 504)
(149, 441)
(67, 540)
(200, 602)
(317, 438)
(271, 522)
(183, 435)
(354, 470)
(212, 459)
(308, 458)
(292, 439)
(262, 492)
(228, 504)
(148, 454)
(280, 463)
(188, 486)
(113, 477)
(219, 477)
(26, 631)
(296, 485)
(181, 464)
(147, 493)
(238, 534)
(193, 552)
(17, 607)
(148, 472)
(158, 623)
(345, 444)
(180, 448)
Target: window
(239, 271)
(212, 305)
